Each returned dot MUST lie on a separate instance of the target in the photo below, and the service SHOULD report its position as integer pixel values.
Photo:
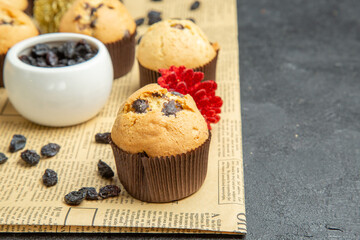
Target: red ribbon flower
(186, 81)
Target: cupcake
(175, 42)
(15, 26)
(160, 142)
(108, 21)
(48, 13)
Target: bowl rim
(13, 54)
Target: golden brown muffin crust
(159, 130)
(15, 26)
(175, 42)
(106, 20)
(18, 4)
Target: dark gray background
(300, 92)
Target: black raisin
(40, 50)
(78, 17)
(93, 23)
(69, 49)
(50, 178)
(3, 158)
(88, 56)
(90, 193)
(30, 157)
(71, 62)
(154, 17)
(139, 21)
(17, 143)
(156, 94)
(195, 5)
(50, 150)
(25, 59)
(171, 108)
(51, 58)
(178, 26)
(74, 197)
(105, 170)
(139, 40)
(140, 105)
(41, 62)
(103, 137)
(109, 191)
(177, 94)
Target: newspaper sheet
(26, 205)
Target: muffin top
(106, 20)
(18, 4)
(15, 26)
(48, 13)
(175, 42)
(159, 122)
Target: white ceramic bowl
(58, 96)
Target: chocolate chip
(195, 5)
(139, 21)
(140, 105)
(178, 26)
(171, 108)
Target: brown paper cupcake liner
(30, 7)
(148, 76)
(122, 54)
(2, 61)
(162, 179)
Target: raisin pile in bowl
(66, 54)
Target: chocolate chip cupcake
(160, 142)
(48, 13)
(110, 22)
(15, 26)
(175, 43)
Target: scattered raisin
(74, 197)
(103, 137)
(191, 19)
(140, 105)
(93, 23)
(17, 143)
(90, 193)
(171, 108)
(154, 17)
(195, 5)
(139, 40)
(139, 21)
(50, 178)
(30, 157)
(105, 170)
(3, 158)
(109, 191)
(50, 150)
(178, 26)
